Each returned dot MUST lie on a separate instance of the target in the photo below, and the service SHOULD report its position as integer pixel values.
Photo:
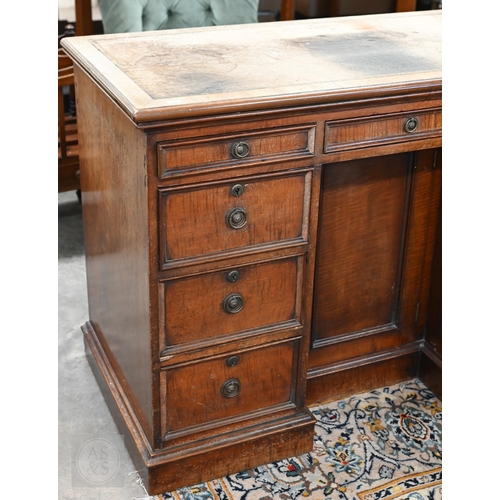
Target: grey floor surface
(93, 463)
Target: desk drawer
(378, 130)
(238, 384)
(243, 214)
(230, 301)
(234, 149)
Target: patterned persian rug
(383, 444)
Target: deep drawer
(377, 130)
(175, 156)
(243, 214)
(230, 301)
(241, 384)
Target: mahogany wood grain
(358, 133)
(269, 293)
(431, 374)
(405, 5)
(264, 378)
(431, 364)
(287, 12)
(434, 327)
(361, 377)
(362, 220)
(276, 209)
(83, 17)
(401, 299)
(260, 444)
(422, 231)
(263, 145)
(334, 238)
(240, 449)
(116, 240)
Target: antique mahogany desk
(261, 213)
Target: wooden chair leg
(287, 10)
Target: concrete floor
(93, 463)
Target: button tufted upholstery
(125, 16)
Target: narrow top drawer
(369, 131)
(187, 155)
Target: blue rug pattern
(383, 444)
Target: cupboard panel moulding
(359, 261)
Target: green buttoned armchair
(125, 16)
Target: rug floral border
(383, 444)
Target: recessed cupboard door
(377, 219)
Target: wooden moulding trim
(371, 143)
(298, 242)
(289, 327)
(206, 270)
(116, 390)
(144, 117)
(280, 101)
(428, 92)
(200, 266)
(293, 336)
(230, 165)
(369, 359)
(405, 137)
(244, 436)
(165, 171)
(431, 353)
(355, 335)
(372, 150)
(295, 171)
(288, 406)
(152, 458)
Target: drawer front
(240, 384)
(180, 156)
(238, 215)
(229, 301)
(387, 129)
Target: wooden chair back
(68, 159)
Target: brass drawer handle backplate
(411, 124)
(240, 149)
(236, 218)
(233, 303)
(231, 388)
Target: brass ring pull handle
(231, 388)
(411, 124)
(236, 218)
(240, 149)
(233, 303)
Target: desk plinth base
(167, 469)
